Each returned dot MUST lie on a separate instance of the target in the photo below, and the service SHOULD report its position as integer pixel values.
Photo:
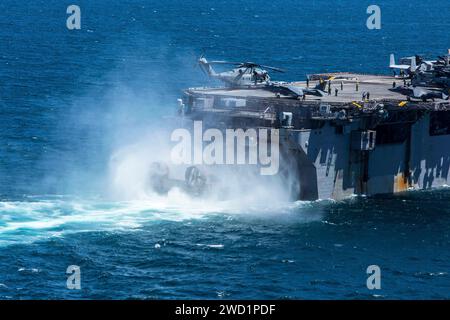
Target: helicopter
(251, 75)
(242, 75)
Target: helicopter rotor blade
(198, 65)
(272, 68)
(197, 60)
(248, 65)
(256, 65)
(224, 62)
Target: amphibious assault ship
(341, 134)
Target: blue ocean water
(70, 99)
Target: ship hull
(329, 167)
(342, 145)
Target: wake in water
(45, 217)
(129, 203)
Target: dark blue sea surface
(69, 100)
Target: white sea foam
(27, 221)
(128, 204)
(32, 270)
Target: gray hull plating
(328, 168)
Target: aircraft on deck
(251, 75)
(421, 93)
(243, 74)
(429, 79)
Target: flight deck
(355, 93)
(350, 88)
